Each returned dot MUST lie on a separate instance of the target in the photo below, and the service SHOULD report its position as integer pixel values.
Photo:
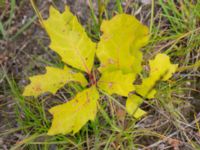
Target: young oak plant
(120, 62)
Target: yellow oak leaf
(73, 115)
(117, 83)
(119, 45)
(132, 106)
(54, 79)
(160, 69)
(146, 89)
(69, 39)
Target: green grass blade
(12, 12)
(2, 31)
(24, 28)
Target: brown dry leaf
(121, 113)
(3, 58)
(174, 143)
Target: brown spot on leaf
(110, 84)
(37, 88)
(88, 98)
(111, 61)
(107, 37)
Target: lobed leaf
(160, 69)
(53, 80)
(117, 83)
(73, 115)
(69, 39)
(119, 45)
(132, 106)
